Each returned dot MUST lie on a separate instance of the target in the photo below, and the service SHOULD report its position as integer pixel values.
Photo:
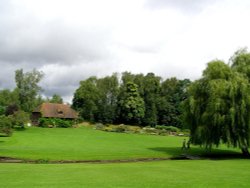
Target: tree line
(145, 100)
(216, 107)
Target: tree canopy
(141, 99)
(218, 107)
(28, 88)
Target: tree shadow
(220, 154)
(172, 151)
(200, 153)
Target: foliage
(167, 128)
(86, 98)
(218, 108)
(106, 100)
(5, 125)
(151, 92)
(2, 110)
(173, 93)
(55, 122)
(132, 108)
(11, 109)
(8, 97)
(56, 99)
(108, 89)
(9, 102)
(27, 88)
(19, 119)
(240, 62)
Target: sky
(71, 40)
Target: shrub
(133, 129)
(55, 122)
(115, 128)
(6, 125)
(150, 130)
(19, 119)
(99, 126)
(120, 128)
(167, 128)
(2, 110)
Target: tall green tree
(108, 88)
(173, 93)
(218, 108)
(28, 88)
(131, 105)
(151, 94)
(85, 99)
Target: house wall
(35, 118)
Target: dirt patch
(42, 161)
(10, 160)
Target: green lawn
(180, 173)
(87, 144)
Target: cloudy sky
(70, 40)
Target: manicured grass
(180, 173)
(88, 144)
(85, 144)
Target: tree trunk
(245, 151)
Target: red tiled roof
(54, 110)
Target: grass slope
(180, 173)
(84, 144)
(87, 144)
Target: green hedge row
(55, 122)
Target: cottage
(53, 110)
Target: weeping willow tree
(218, 108)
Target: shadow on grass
(200, 153)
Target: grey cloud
(7, 76)
(27, 42)
(26, 38)
(53, 42)
(59, 90)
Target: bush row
(55, 122)
(167, 128)
(158, 130)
